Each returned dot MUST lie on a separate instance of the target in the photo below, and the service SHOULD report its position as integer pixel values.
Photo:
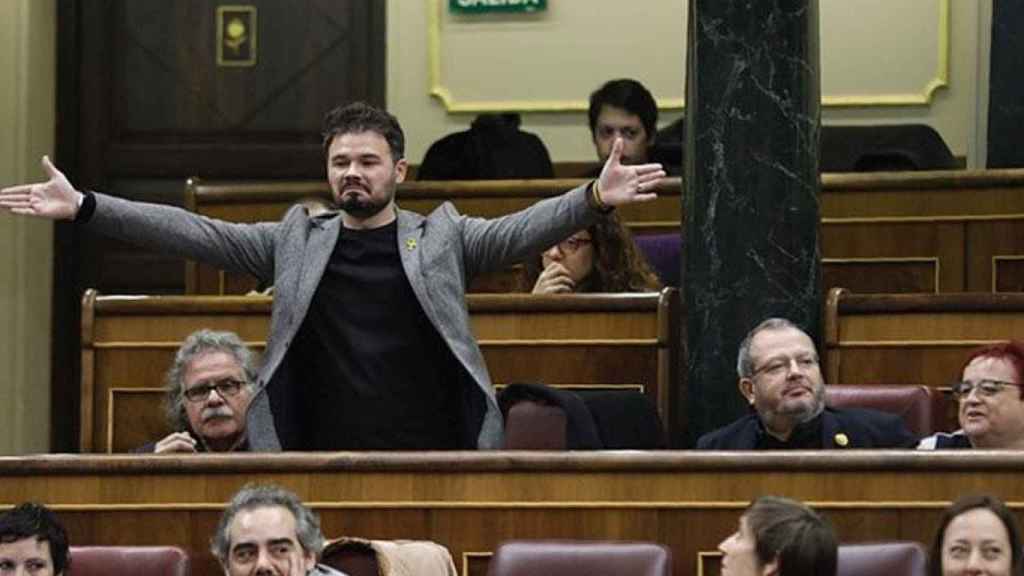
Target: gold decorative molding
(435, 11)
(995, 268)
(941, 79)
(237, 34)
(914, 343)
(934, 261)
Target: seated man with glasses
(208, 390)
(781, 380)
(990, 401)
(601, 258)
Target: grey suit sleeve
(245, 248)
(497, 243)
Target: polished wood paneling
(470, 502)
(608, 340)
(920, 339)
(879, 231)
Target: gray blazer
(440, 253)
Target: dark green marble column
(1006, 86)
(751, 188)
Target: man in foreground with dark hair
(32, 542)
(780, 537)
(267, 530)
(370, 345)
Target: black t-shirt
(374, 373)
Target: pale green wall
(27, 116)
(958, 112)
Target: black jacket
(840, 428)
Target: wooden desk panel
(938, 215)
(920, 339)
(612, 340)
(470, 502)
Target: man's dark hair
(629, 95)
(791, 534)
(30, 520)
(974, 502)
(362, 117)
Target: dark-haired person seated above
(601, 258)
(990, 401)
(32, 542)
(207, 394)
(977, 535)
(370, 345)
(780, 537)
(624, 108)
(268, 530)
(781, 379)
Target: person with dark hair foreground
(601, 258)
(977, 535)
(370, 344)
(267, 530)
(780, 537)
(780, 377)
(990, 400)
(32, 541)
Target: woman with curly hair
(601, 258)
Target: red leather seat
(129, 561)
(912, 403)
(582, 557)
(888, 558)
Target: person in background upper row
(781, 379)
(32, 541)
(625, 109)
(780, 537)
(601, 258)
(207, 394)
(977, 535)
(990, 401)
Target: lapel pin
(842, 440)
(410, 243)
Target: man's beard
(799, 413)
(364, 206)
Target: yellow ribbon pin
(842, 440)
(410, 243)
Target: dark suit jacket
(861, 429)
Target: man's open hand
(55, 199)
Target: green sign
(486, 6)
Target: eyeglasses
(573, 245)
(780, 365)
(225, 388)
(987, 388)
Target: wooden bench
(586, 341)
(470, 502)
(909, 232)
(914, 338)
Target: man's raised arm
(55, 199)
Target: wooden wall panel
(624, 340)
(878, 232)
(470, 502)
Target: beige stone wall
(882, 62)
(27, 113)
